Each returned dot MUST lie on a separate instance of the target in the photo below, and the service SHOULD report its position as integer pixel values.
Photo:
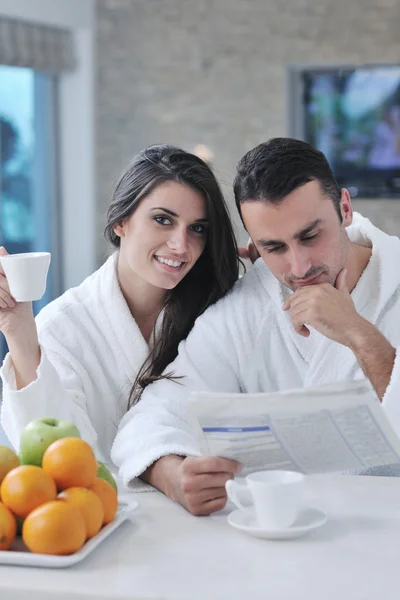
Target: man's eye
(162, 220)
(309, 238)
(275, 249)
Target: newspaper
(312, 430)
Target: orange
(8, 527)
(54, 528)
(70, 462)
(108, 497)
(88, 504)
(25, 488)
(8, 460)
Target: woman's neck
(145, 301)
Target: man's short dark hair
(275, 168)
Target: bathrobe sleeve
(389, 326)
(57, 392)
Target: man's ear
(345, 208)
(119, 228)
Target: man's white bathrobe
(91, 350)
(246, 343)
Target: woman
(89, 353)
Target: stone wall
(215, 72)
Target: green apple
(39, 434)
(105, 474)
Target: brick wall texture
(215, 72)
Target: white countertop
(166, 553)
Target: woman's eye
(198, 229)
(162, 220)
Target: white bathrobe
(246, 343)
(91, 350)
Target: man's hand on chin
(330, 310)
(196, 482)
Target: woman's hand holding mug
(14, 316)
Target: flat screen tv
(353, 116)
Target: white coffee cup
(26, 274)
(275, 495)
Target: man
(322, 304)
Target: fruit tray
(20, 556)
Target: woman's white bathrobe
(91, 349)
(246, 343)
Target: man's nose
(300, 263)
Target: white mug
(26, 274)
(275, 495)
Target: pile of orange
(57, 506)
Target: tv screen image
(353, 116)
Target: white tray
(22, 557)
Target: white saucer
(308, 519)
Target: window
(28, 168)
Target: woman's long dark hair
(215, 271)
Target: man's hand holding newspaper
(312, 430)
